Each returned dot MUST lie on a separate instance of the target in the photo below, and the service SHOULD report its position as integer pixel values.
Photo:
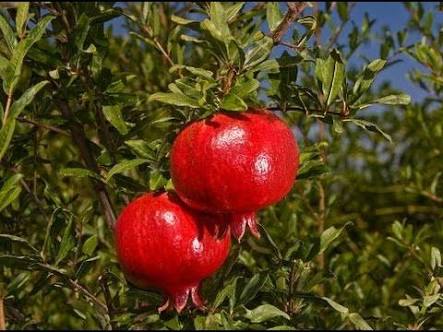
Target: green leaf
(435, 258)
(174, 99)
(429, 300)
(81, 31)
(90, 245)
(366, 78)
(68, 242)
(78, 173)
(227, 292)
(329, 235)
(114, 115)
(336, 306)
(359, 322)
(400, 99)
(21, 18)
(124, 166)
(9, 185)
(156, 180)
(6, 135)
(232, 102)
(26, 98)
(22, 49)
(181, 20)
(18, 240)
(243, 89)
(141, 148)
(254, 285)
(17, 262)
(369, 126)
(273, 15)
(233, 10)
(331, 74)
(259, 53)
(196, 71)
(264, 313)
(219, 20)
(342, 9)
(7, 32)
(85, 265)
(12, 196)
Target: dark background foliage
(88, 117)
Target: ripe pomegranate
(235, 163)
(162, 243)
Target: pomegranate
(235, 163)
(161, 243)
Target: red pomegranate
(161, 243)
(235, 163)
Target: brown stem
(79, 137)
(8, 107)
(276, 108)
(158, 45)
(42, 125)
(321, 227)
(2, 315)
(294, 11)
(340, 29)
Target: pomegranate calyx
(179, 299)
(239, 221)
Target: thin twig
(159, 46)
(294, 11)
(79, 137)
(340, 29)
(8, 107)
(276, 108)
(321, 227)
(42, 125)
(2, 315)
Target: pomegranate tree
(235, 163)
(161, 243)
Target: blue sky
(391, 14)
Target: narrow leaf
(273, 15)
(114, 115)
(264, 313)
(21, 18)
(26, 98)
(6, 135)
(7, 32)
(174, 99)
(400, 99)
(68, 242)
(232, 102)
(124, 166)
(78, 172)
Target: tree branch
(79, 137)
(42, 125)
(2, 315)
(276, 108)
(294, 11)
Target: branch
(8, 106)
(294, 11)
(42, 125)
(79, 137)
(2, 315)
(275, 108)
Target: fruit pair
(224, 169)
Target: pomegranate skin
(163, 244)
(235, 163)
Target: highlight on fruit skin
(235, 164)
(161, 243)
